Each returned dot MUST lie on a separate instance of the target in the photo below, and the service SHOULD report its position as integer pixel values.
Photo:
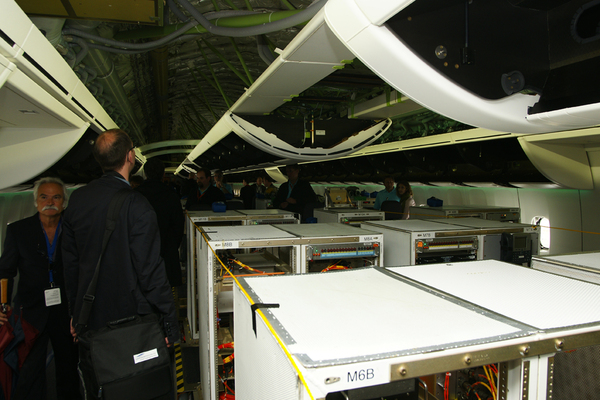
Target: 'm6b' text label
(361, 375)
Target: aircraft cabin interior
(489, 110)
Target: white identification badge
(52, 296)
(145, 356)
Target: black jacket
(197, 201)
(302, 192)
(25, 251)
(132, 276)
(169, 213)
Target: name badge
(52, 296)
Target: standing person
(135, 181)
(270, 189)
(405, 194)
(295, 194)
(222, 185)
(206, 194)
(189, 186)
(248, 195)
(132, 279)
(260, 188)
(32, 248)
(169, 214)
(386, 194)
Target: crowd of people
(55, 253)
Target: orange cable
(261, 314)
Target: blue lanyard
(290, 188)
(51, 248)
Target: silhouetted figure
(295, 194)
(169, 214)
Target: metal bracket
(255, 307)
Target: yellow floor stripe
(179, 368)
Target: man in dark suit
(169, 213)
(296, 193)
(32, 247)
(132, 280)
(206, 194)
(189, 186)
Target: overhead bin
(44, 108)
(33, 126)
(242, 141)
(250, 135)
(503, 65)
(339, 136)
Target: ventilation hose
(133, 46)
(282, 24)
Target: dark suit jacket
(248, 195)
(25, 251)
(302, 192)
(196, 201)
(169, 213)
(132, 277)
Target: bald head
(111, 148)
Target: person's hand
(283, 204)
(73, 333)
(167, 342)
(3, 317)
(291, 200)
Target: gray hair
(50, 179)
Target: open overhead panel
(311, 56)
(475, 62)
(239, 143)
(319, 139)
(44, 108)
(564, 157)
(251, 135)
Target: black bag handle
(111, 222)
